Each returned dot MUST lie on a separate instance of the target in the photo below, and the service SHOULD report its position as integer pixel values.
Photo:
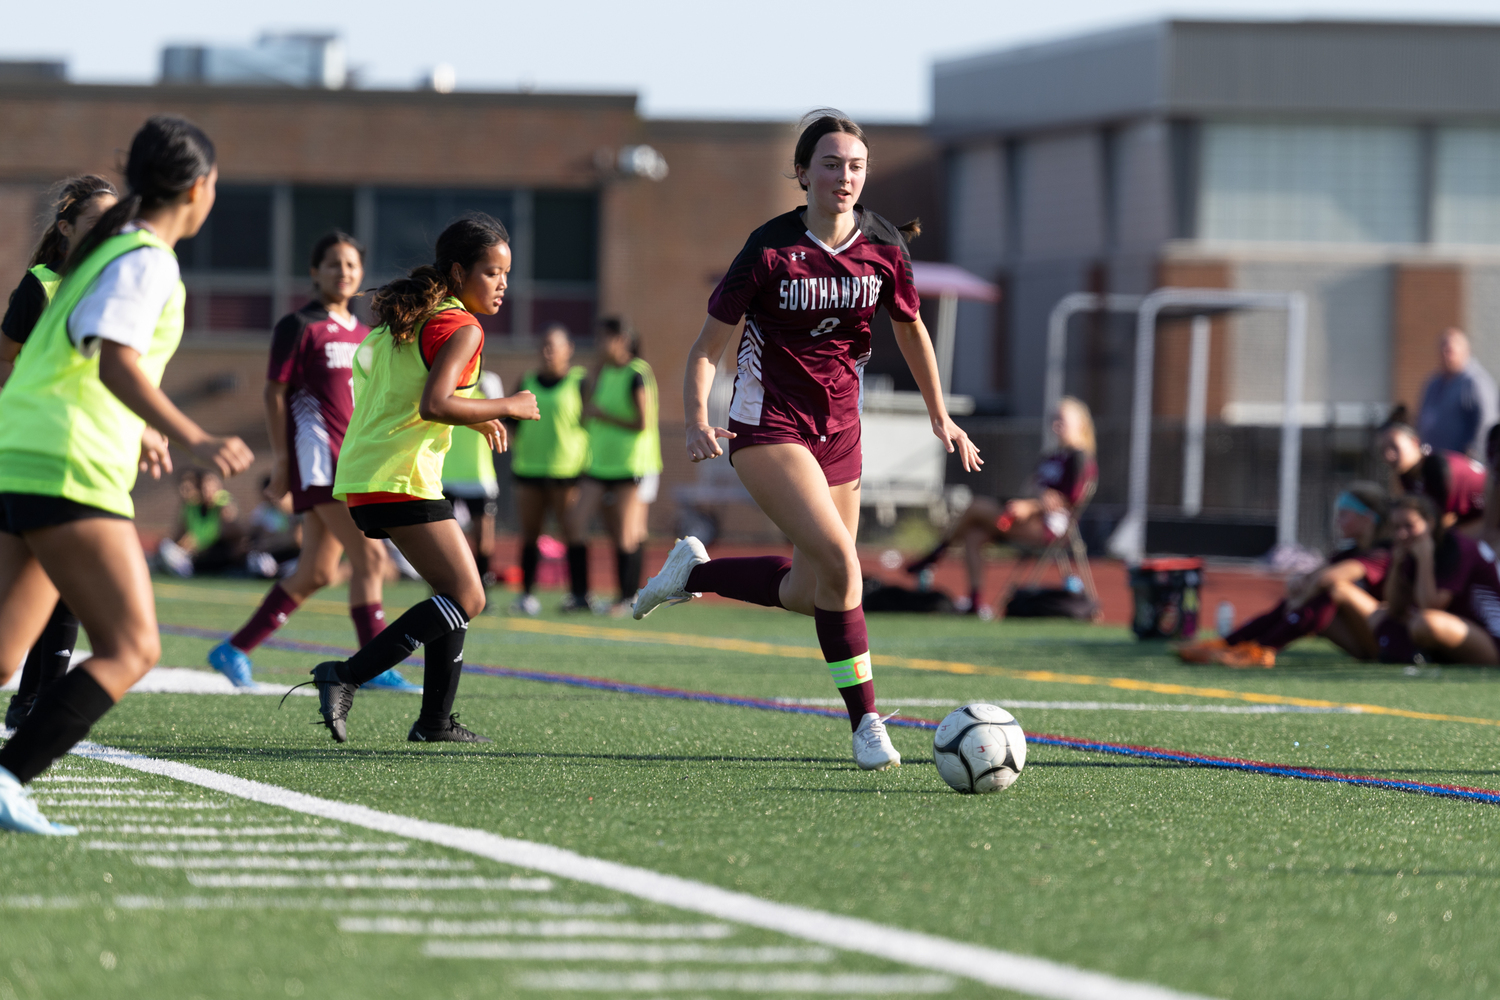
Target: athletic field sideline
(616, 842)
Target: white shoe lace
(875, 732)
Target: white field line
(342, 904)
(247, 846)
(107, 793)
(47, 778)
(515, 883)
(1091, 706)
(254, 863)
(1019, 973)
(132, 804)
(735, 982)
(186, 680)
(218, 831)
(620, 951)
(535, 928)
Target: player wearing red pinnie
(807, 284)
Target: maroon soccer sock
(369, 620)
(846, 647)
(756, 580)
(270, 616)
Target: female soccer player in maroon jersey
(1443, 593)
(1454, 483)
(308, 402)
(807, 284)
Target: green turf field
(1205, 881)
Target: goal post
(1129, 538)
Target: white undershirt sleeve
(126, 301)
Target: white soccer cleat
(872, 745)
(669, 586)
(526, 604)
(19, 813)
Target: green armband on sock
(848, 673)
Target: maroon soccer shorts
(838, 454)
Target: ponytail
(404, 304)
(910, 230)
(71, 198)
(167, 156)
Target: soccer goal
(1129, 538)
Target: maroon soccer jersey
(1466, 569)
(1453, 482)
(1069, 472)
(313, 354)
(807, 309)
(1376, 561)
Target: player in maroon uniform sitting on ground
(1443, 594)
(1335, 601)
(1061, 481)
(807, 284)
(308, 402)
(1455, 483)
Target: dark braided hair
(71, 198)
(167, 155)
(404, 304)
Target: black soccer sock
(422, 624)
(530, 557)
(445, 662)
(578, 570)
(63, 715)
(49, 658)
(628, 570)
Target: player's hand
(281, 477)
(1420, 546)
(703, 441)
(156, 455)
(495, 435)
(229, 455)
(954, 439)
(523, 407)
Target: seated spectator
(1061, 481)
(1458, 404)
(274, 536)
(1443, 595)
(1453, 482)
(1334, 601)
(208, 538)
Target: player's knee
(1420, 627)
(471, 599)
(839, 570)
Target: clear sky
(686, 58)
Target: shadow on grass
(345, 753)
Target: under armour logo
(799, 255)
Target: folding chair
(1067, 551)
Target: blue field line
(766, 704)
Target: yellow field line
(753, 648)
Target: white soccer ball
(979, 748)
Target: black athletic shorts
(560, 483)
(374, 518)
(477, 506)
(23, 512)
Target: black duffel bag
(1053, 602)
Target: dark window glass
(565, 236)
(407, 222)
(575, 314)
(237, 235)
(315, 212)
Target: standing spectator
(1459, 404)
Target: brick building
(394, 167)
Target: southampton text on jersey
(859, 292)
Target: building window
(1315, 183)
(1466, 199)
(237, 235)
(408, 221)
(565, 241)
(316, 211)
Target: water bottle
(1225, 617)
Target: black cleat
(20, 707)
(335, 698)
(448, 731)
